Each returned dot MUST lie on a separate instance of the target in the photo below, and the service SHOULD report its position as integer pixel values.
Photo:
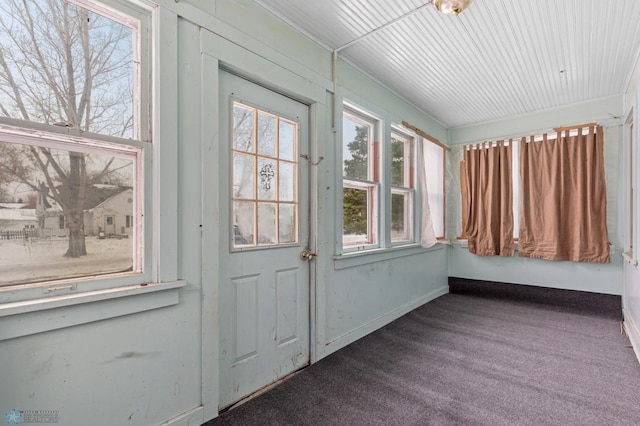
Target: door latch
(307, 254)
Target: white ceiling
(497, 59)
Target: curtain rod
(577, 126)
(537, 133)
(426, 136)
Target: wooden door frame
(282, 75)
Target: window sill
(354, 259)
(464, 243)
(460, 243)
(50, 313)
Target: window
(380, 177)
(89, 86)
(562, 209)
(402, 187)
(360, 181)
(75, 174)
(63, 176)
(381, 173)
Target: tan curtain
(563, 211)
(489, 199)
(465, 199)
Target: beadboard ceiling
(497, 59)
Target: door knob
(307, 254)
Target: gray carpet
(484, 354)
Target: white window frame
(631, 147)
(26, 309)
(407, 189)
(373, 188)
(380, 187)
(386, 123)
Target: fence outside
(23, 234)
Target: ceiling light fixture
(451, 7)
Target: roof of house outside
(13, 205)
(96, 195)
(27, 215)
(101, 195)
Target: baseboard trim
(194, 417)
(634, 332)
(357, 333)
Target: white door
(264, 287)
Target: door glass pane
(266, 134)
(266, 182)
(267, 223)
(286, 185)
(287, 141)
(287, 223)
(243, 134)
(243, 223)
(243, 180)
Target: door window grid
(265, 179)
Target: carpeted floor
(484, 354)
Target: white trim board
(357, 333)
(634, 332)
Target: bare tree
(61, 64)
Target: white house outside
(114, 216)
(17, 219)
(108, 209)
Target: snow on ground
(35, 260)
